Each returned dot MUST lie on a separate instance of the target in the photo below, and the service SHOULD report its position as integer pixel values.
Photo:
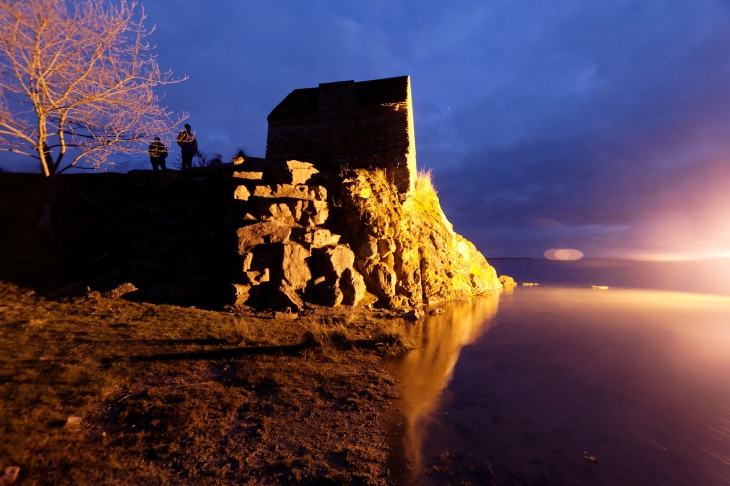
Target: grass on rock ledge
(171, 395)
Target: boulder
(257, 277)
(310, 193)
(118, 292)
(259, 233)
(507, 282)
(280, 212)
(247, 259)
(314, 213)
(414, 314)
(330, 294)
(398, 302)
(293, 172)
(251, 176)
(295, 269)
(368, 249)
(241, 193)
(314, 237)
(352, 285)
(333, 261)
(296, 212)
(381, 278)
(241, 293)
(290, 298)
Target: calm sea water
(561, 384)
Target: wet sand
(549, 378)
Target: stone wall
(363, 125)
(171, 234)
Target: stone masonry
(286, 255)
(363, 125)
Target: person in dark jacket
(158, 154)
(188, 145)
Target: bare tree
(76, 82)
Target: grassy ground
(184, 396)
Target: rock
(290, 298)
(279, 212)
(334, 261)
(368, 248)
(381, 278)
(507, 281)
(385, 248)
(436, 312)
(331, 295)
(368, 299)
(259, 233)
(295, 269)
(293, 172)
(413, 314)
(72, 423)
(352, 285)
(298, 212)
(118, 292)
(286, 315)
(314, 237)
(251, 176)
(311, 193)
(247, 259)
(257, 277)
(241, 193)
(316, 213)
(241, 293)
(10, 475)
(396, 302)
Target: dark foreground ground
(174, 395)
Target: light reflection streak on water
(426, 371)
(649, 369)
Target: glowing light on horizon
(565, 254)
(679, 257)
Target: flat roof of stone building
(305, 101)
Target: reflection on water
(638, 379)
(425, 371)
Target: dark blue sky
(600, 126)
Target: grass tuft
(424, 183)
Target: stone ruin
(335, 213)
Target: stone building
(363, 125)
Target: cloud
(547, 123)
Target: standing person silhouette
(188, 145)
(158, 154)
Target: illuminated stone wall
(363, 125)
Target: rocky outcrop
(387, 248)
(406, 246)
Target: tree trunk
(48, 203)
